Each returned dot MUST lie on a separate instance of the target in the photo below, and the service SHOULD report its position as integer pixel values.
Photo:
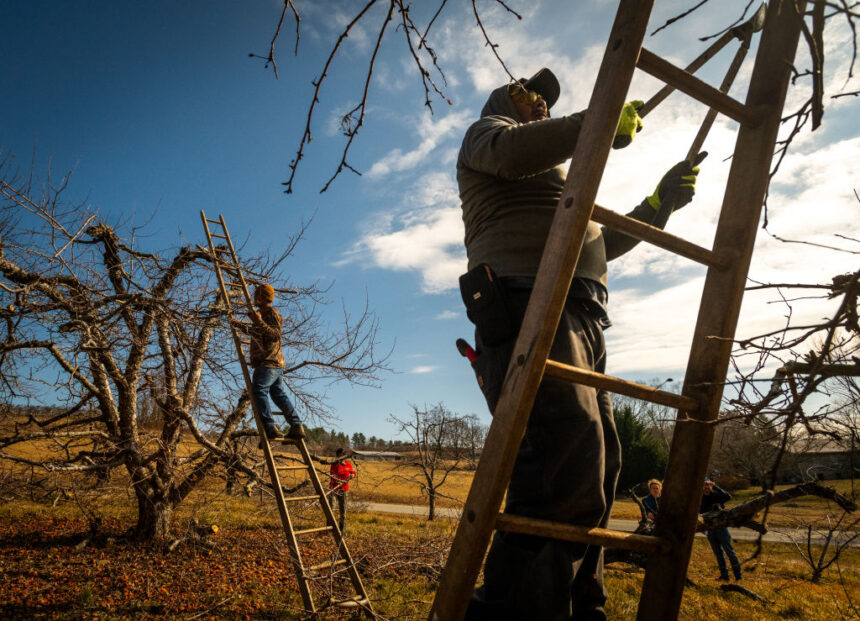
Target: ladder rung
(696, 88)
(232, 284)
(620, 386)
(581, 534)
(213, 221)
(292, 467)
(219, 236)
(327, 564)
(658, 237)
(352, 602)
(307, 531)
(298, 498)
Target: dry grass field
(242, 571)
(245, 573)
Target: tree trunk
(431, 514)
(154, 517)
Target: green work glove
(628, 124)
(680, 182)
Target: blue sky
(159, 111)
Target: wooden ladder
(234, 291)
(728, 263)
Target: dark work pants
(565, 471)
(341, 505)
(720, 539)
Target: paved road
(777, 535)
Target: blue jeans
(265, 382)
(720, 540)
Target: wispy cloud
(449, 314)
(424, 369)
(427, 238)
(432, 130)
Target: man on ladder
(267, 360)
(510, 179)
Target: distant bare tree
(746, 449)
(99, 326)
(822, 546)
(437, 439)
(473, 433)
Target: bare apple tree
(95, 325)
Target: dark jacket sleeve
(502, 147)
(618, 243)
(721, 495)
(650, 504)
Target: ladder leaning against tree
(340, 569)
(728, 263)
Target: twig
(208, 610)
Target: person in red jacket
(340, 474)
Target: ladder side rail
(277, 490)
(239, 272)
(335, 531)
(718, 313)
(286, 521)
(544, 311)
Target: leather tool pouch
(486, 306)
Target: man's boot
(296, 432)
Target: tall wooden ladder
(330, 575)
(728, 262)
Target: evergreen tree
(642, 455)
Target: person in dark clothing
(267, 360)
(720, 539)
(510, 175)
(651, 502)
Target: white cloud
(432, 130)
(449, 314)
(811, 200)
(424, 369)
(427, 237)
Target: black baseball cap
(545, 83)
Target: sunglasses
(520, 95)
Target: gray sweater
(510, 178)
